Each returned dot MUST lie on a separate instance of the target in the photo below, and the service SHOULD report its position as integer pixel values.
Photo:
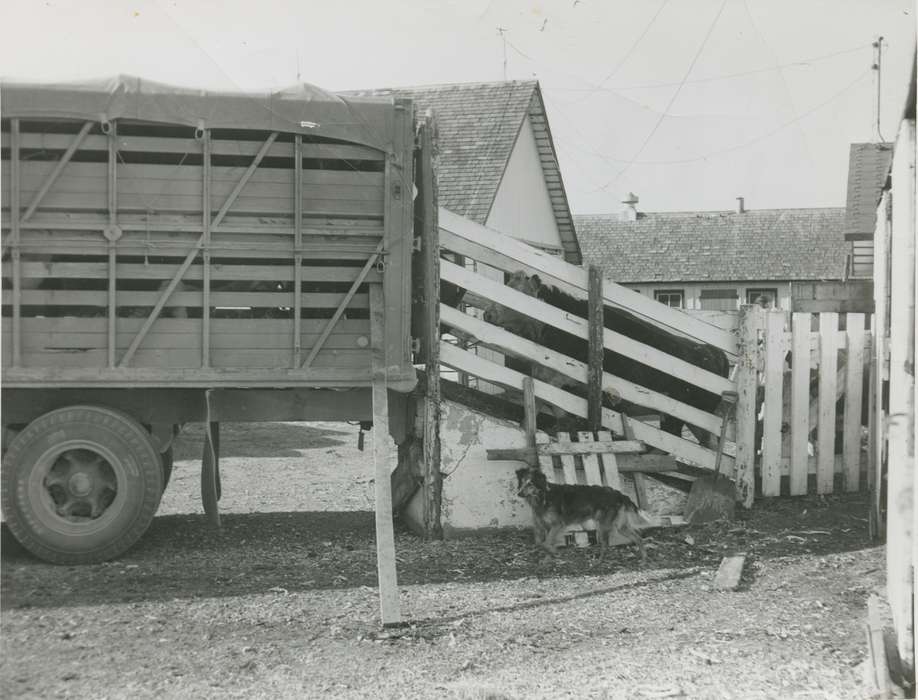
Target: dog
(557, 506)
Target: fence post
(747, 368)
(596, 349)
(426, 219)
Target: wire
(673, 98)
(714, 78)
(745, 144)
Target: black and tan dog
(557, 506)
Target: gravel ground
(282, 601)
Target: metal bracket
(418, 244)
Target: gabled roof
(478, 125)
(868, 166)
(765, 244)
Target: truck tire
(80, 484)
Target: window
(670, 297)
(768, 297)
(719, 300)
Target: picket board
(590, 462)
(774, 382)
(828, 353)
(800, 404)
(854, 391)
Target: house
(497, 162)
(716, 261)
(868, 168)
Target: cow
(702, 355)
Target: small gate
(813, 396)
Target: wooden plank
(591, 447)
(900, 537)
(55, 170)
(160, 271)
(189, 299)
(579, 327)
(231, 197)
(498, 339)
(828, 354)
(800, 404)
(342, 307)
(854, 394)
(465, 237)
(530, 414)
(596, 351)
(390, 612)
(746, 386)
(729, 573)
(877, 663)
(774, 381)
(590, 461)
(609, 460)
(489, 371)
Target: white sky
(778, 135)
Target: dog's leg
(548, 543)
(632, 535)
(603, 532)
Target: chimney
(740, 205)
(629, 213)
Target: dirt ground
(282, 602)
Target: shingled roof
(765, 244)
(868, 166)
(478, 125)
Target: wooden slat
(468, 238)
(800, 404)
(580, 328)
(686, 450)
(828, 355)
(112, 271)
(496, 338)
(54, 171)
(854, 392)
(609, 461)
(219, 272)
(297, 245)
(206, 225)
(774, 381)
(188, 299)
(590, 462)
(569, 468)
(596, 350)
(383, 463)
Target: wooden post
(385, 534)
(530, 414)
(430, 340)
(297, 249)
(596, 349)
(746, 385)
(112, 234)
(206, 223)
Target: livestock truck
(173, 256)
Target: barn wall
(522, 207)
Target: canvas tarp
(302, 108)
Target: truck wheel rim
(75, 487)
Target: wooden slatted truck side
(172, 256)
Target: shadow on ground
(181, 557)
(268, 440)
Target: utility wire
(726, 76)
(672, 99)
(745, 144)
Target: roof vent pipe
(629, 213)
(740, 205)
